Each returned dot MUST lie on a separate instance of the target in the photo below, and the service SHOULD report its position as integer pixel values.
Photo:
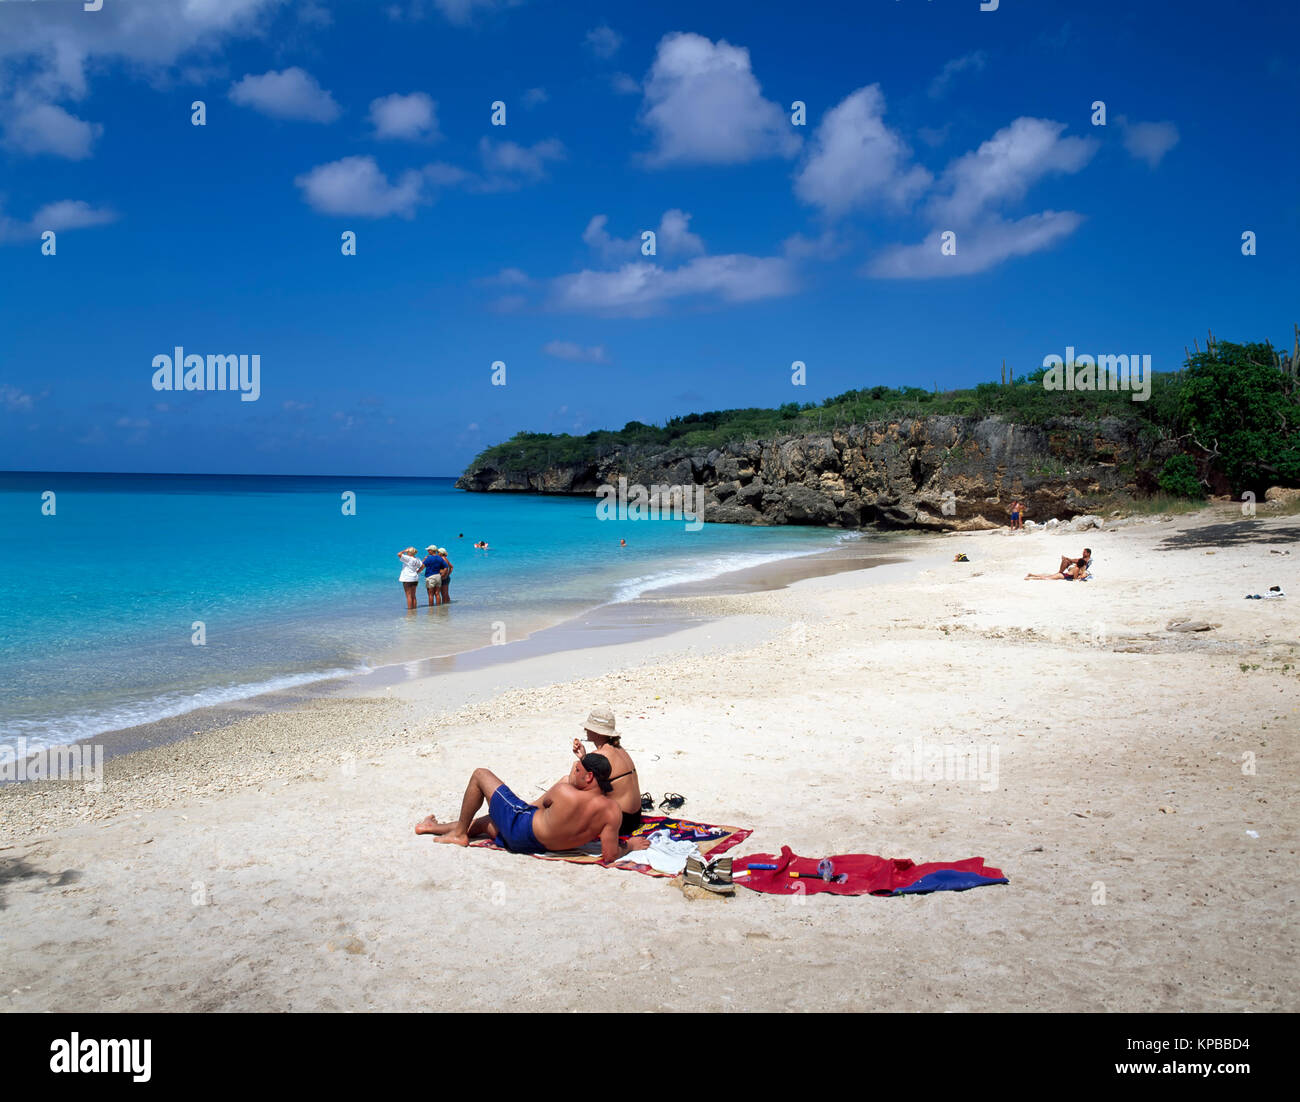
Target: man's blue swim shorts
(513, 819)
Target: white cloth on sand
(663, 854)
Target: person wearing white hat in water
(600, 731)
(433, 564)
(411, 567)
(446, 575)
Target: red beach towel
(867, 874)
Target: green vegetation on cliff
(1233, 409)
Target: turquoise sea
(100, 598)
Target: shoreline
(276, 695)
(652, 614)
(274, 866)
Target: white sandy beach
(273, 865)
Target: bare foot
(454, 839)
(426, 825)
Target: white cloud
(314, 14)
(972, 61)
(968, 195)
(460, 13)
(507, 166)
(289, 94)
(71, 214)
(1148, 141)
(673, 239)
(507, 163)
(704, 106)
(641, 288)
(855, 160)
(442, 174)
(48, 49)
(355, 185)
(534, 97)
(56, 42)
(604, 41)
(1005, 167)
(625, 85)
(574, 352)
(826, 246)
(409, 118)
(66, 214)
(978, 249)
(507, 277)
(34, 128)
(15, 400)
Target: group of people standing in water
(436, 567)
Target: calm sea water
(99, 601)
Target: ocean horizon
(131, 598)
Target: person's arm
(611, 849)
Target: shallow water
(103, 603)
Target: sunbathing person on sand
(572, 813)
(1070, 570)
(600, 731)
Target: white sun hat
(601, 721)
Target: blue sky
(522, 243)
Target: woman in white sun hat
(410, 575)
(446, 575)
(599, 730)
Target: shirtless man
(572, 813)
(1070, 570)
(1082, 563)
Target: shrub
(1178, 477)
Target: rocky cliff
(936, 472)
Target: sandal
(671, 801)
(647, 802)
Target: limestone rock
(951, 473)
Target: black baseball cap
(598, 766)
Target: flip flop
(671, 801)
